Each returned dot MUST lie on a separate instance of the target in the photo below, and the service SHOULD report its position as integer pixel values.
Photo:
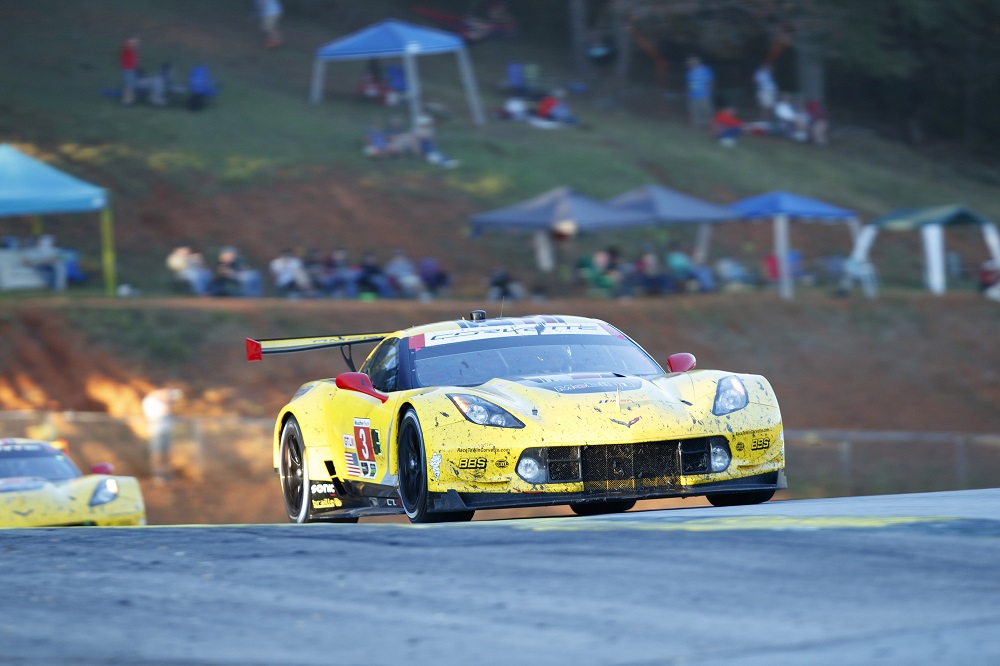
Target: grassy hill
(264, 169)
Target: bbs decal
(472, 463)
(760, 442)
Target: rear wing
(256, 349)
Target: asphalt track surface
(900, 579)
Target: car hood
(589, 403)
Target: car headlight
(721, 456)
(483, 412)
(106, 491)
(531, 467)
(730, 396)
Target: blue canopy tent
(782, 207)
(560, 211)
(396, 39)
(31, 187)
(666, 206)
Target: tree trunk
(578, 29)
(811, 71)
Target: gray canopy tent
(666, 206)
(560, 211)
(396, 39)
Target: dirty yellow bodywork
(350, 435)
(37, 502)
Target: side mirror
(681, 362)
(360, 382)
(102, 468)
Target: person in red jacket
(726, 126)
(129, 63)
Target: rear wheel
(294, 472)
(600, 508)
(740, 499)
(413, 475)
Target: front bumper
(453, 500)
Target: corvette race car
(41, 487)
(447, 418)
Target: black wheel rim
(291, 474)
(411, 468)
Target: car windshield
(473, 362)
(36, 461)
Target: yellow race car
(447, 418)
(40, 486)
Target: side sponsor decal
(435, 463)
(327, 503)
(362, 468)
(349, 442)
(363, 439)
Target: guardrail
(820, 463)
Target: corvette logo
(627, 424)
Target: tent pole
(412, 85)
(992, 238)
(108, 250)
(781, 250)
(701, 245)
(319, 70)
(469, 82)
(934, 268)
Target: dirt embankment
(906, 362)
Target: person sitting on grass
(726, 126)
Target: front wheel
(601, 508)
(413, 475)
(740, 499)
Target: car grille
(629, 468)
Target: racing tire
(740, 499)
(413, 475)
(294, 475)
(601, 508)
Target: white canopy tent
(396, 39)
(931, 222)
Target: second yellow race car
(40, 486)
(447, 418)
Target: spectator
(158, 407)
(289, 275)
(647, 272)
(376, 143)
(188, 268)
(435, 278)
(726, 126)
(404, 278)
(989, 275)
(372, 281)
(129, 63)
(792, 122)
(766, 89)
(424, 135)
(554, 107)
(270, 14)
(819, 122)
(231, 276)
(699, 83)
(341, 277)
(502, 286)
(400, 141)
(680, 266)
